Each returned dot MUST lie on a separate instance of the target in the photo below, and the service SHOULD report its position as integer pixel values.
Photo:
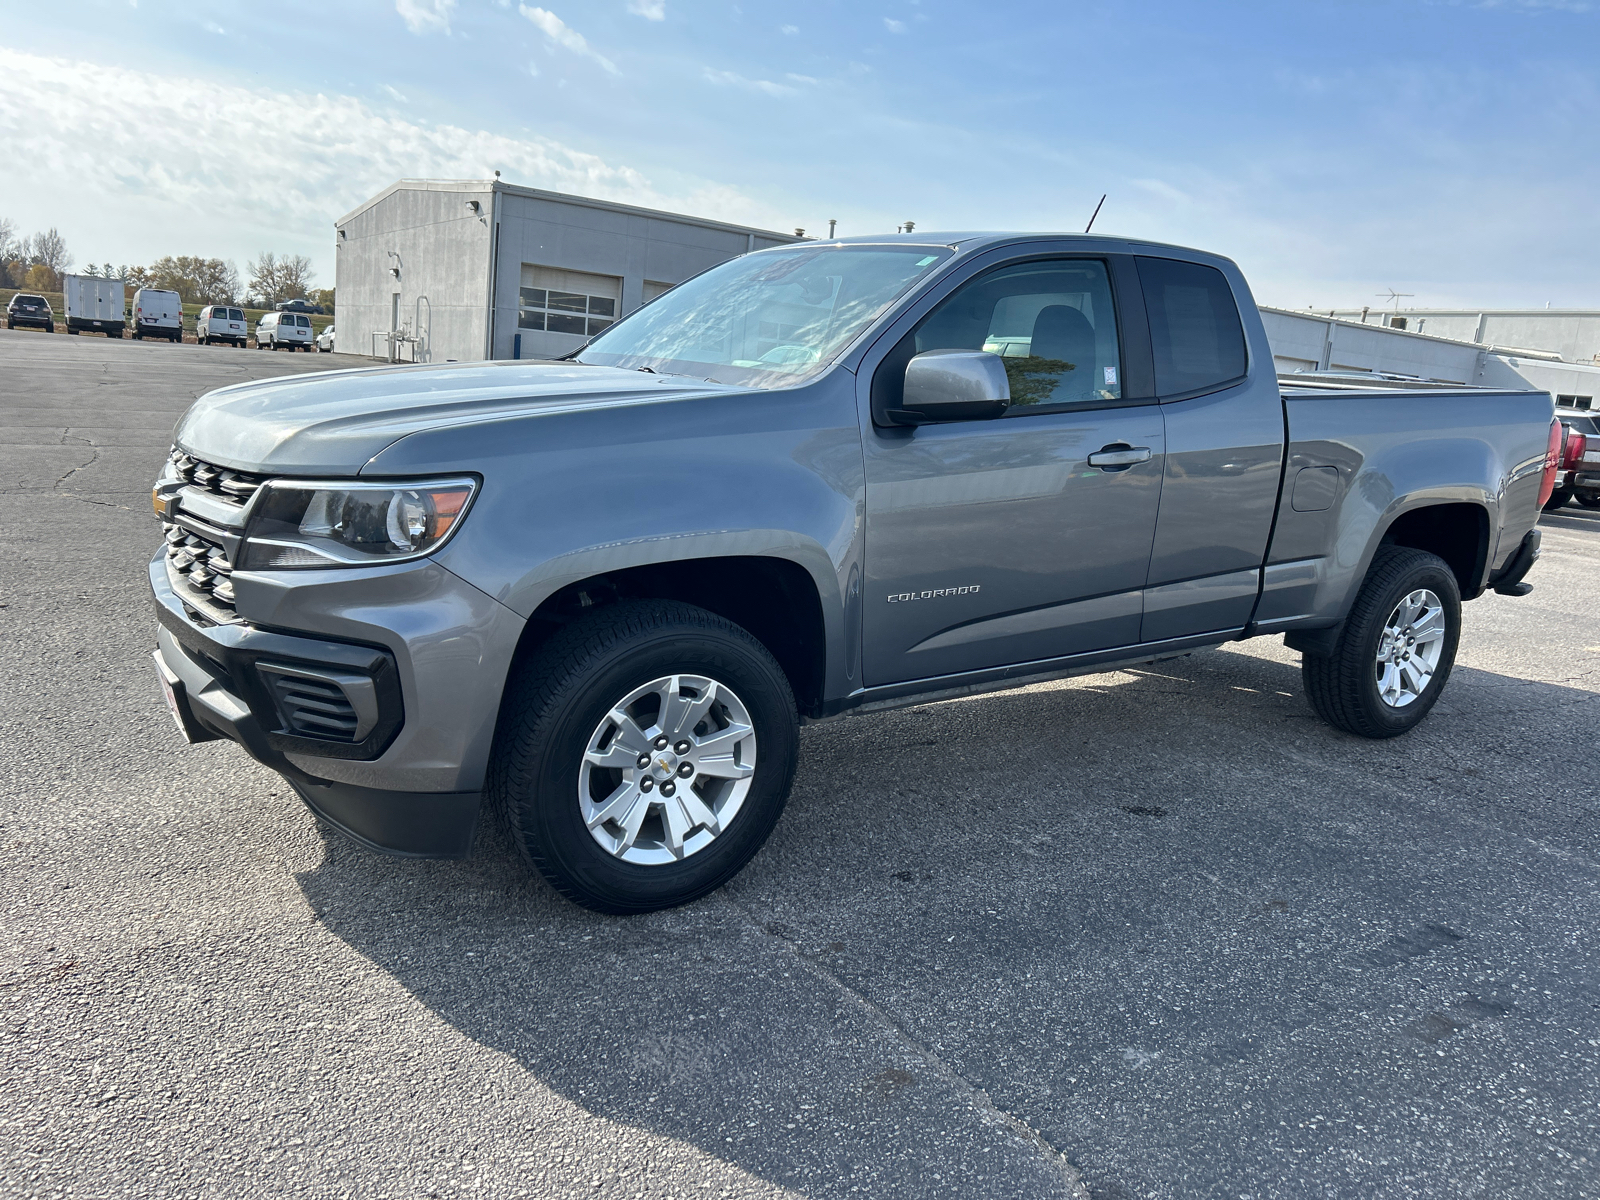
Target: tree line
(37, 262)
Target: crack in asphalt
(93, 458)
(990, 1112)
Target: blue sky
(1335, 148)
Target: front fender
(569, 496)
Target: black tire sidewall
(549, 815)
(1431, 573)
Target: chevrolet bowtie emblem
(664, 764)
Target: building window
(652, 289)
(573, 302)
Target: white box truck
(94, 303)
(157, 313)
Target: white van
(157, 314)
(95, 303)
(220, 323)
(284, 329)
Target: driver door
(1022, 537)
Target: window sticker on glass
(1111, 376)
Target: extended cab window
(1052, 322)
(1195, 334)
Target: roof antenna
(1090, 225)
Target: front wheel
(643, 755)
(1558, 499)
(1395, 651)
(1588, 499)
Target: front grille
(237, 485)
(197, 562)
(313, 707)
(200, 572)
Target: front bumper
(416, 728)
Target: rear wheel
(1588, 499)
(644, 755)
(1395, 651)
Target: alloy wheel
(1409, 648)
(667, 769)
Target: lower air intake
(331, 706)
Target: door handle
(1119, 454)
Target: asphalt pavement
(1153, 933)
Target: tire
(1558, 499)
(50, 328)
(1344, 687)
(558, 706)
(72, 331)
(1588, 499)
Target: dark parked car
(300, 306)
(28, 309)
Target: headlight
(306, 524)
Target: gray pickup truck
(599, 595)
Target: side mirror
(953, 385)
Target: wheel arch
(775, 599)
(1456, 531)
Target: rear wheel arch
(1457, 532)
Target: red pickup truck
(1578, 477)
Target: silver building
(437, 269)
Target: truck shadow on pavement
(1162, 921)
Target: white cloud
(191, 166)
(650, 10)
(426, 16)
(213, 27)
(732, 79)
(563, 35)
(807, 79)
(894, 26)
(788, 30)
(395, 93)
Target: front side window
(1195, 334)
(574, 302)
(1052, 322)
(768, 319)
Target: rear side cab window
(1052, 322)
(1196, 337)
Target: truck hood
(335, 422)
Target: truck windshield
(770, 319)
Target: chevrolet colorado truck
(598, 596)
